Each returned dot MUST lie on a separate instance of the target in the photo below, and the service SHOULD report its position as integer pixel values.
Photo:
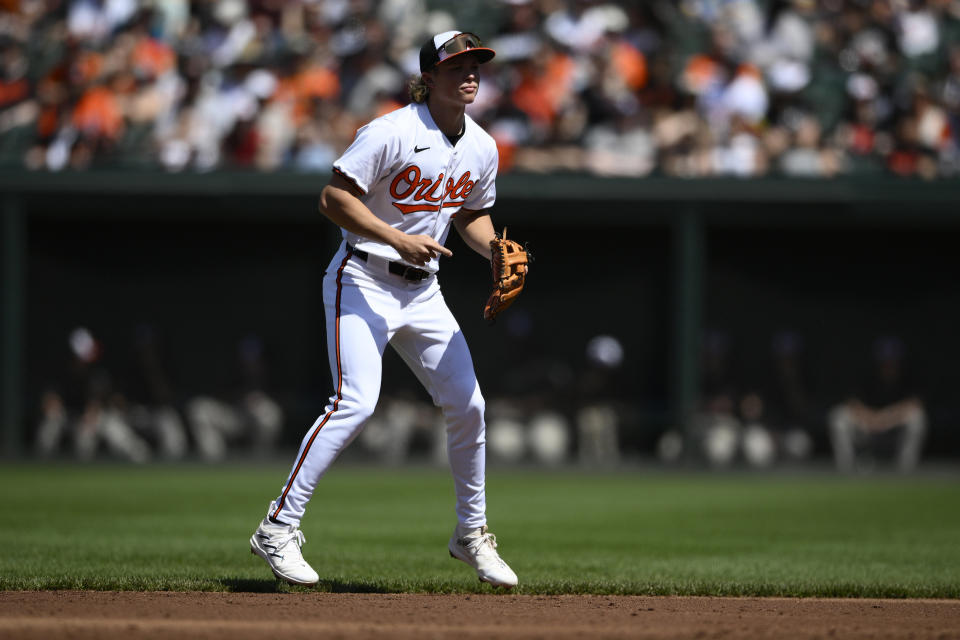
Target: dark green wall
(209, 259)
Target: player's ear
(427, 78)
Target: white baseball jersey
(414, 179)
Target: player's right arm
(340, 201)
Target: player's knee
(360, 409)
(839, 420)
(916, 420)
(467, 394)
(476, 408)
(466, 405)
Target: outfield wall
(209, 259)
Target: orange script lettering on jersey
(424, 191)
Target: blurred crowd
(686, 88)
(133, 409)
(547, 409)
(551, 411)
(777, 415)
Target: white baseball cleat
(478, 548)
(279, 545)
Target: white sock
(467, 532)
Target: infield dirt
(236, 616)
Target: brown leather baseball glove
(509, 263)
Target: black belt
(405, 271)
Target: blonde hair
(418, 89)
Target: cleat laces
(282, 541)
(483, 544)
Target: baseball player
(395, 192)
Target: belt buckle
(413, 274)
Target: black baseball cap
(448, 44)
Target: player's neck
(448, 117)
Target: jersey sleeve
(484, 192)
(371, 156)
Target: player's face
(457, 79)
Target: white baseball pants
(845, 431)
(366, 308)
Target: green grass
(385, 530)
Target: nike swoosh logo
(417, 149)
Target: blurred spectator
(244, 415)
(530, 410)
(85, 405)
(714, 433)
(692, 88)
(152, 397)
(716, 429)
(401, 421)
(778, 413)
(886, 412)
(757, 422)
(600, 414)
